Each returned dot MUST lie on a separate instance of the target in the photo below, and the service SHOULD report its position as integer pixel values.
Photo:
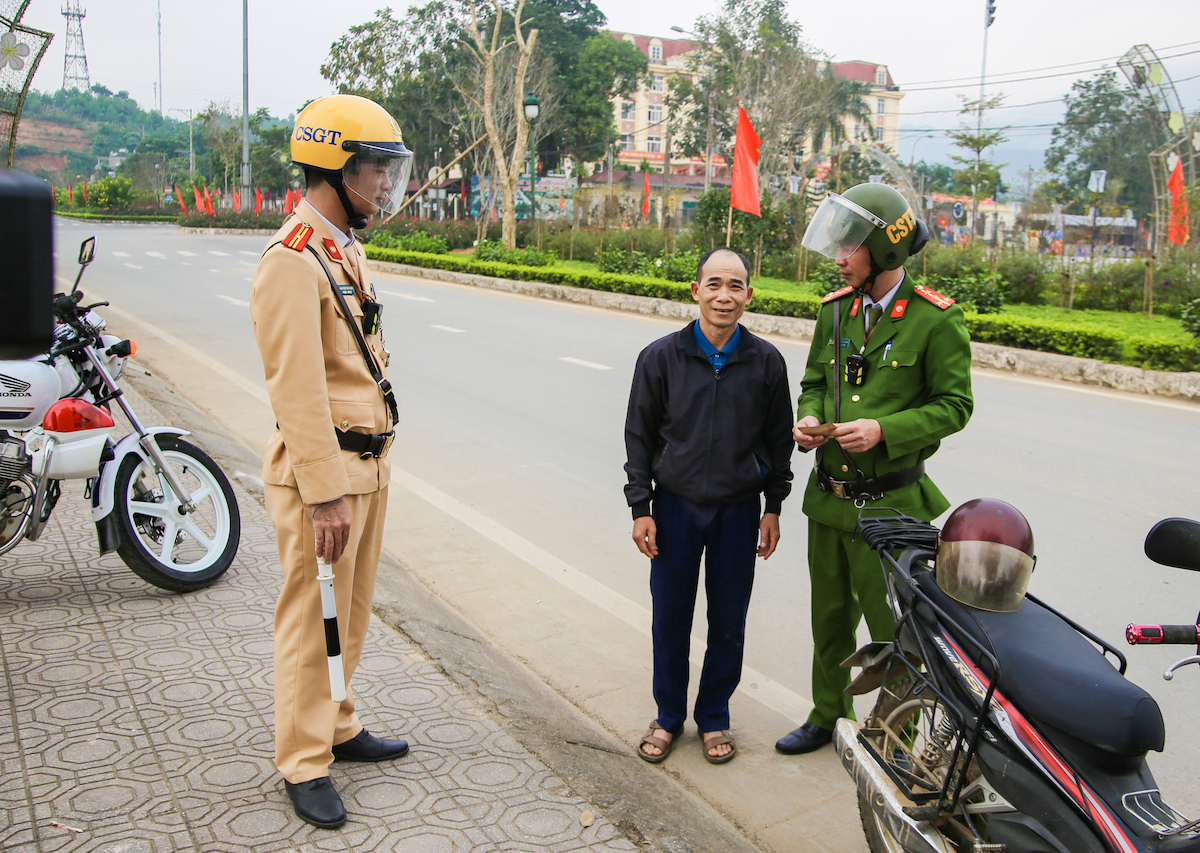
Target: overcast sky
(934, 51)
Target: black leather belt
(869, 488)
(367, 446)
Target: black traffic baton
(333, 643)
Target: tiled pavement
(138, 721)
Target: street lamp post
(708, 141)
(191, 149)
(532, 107)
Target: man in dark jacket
(708, 431)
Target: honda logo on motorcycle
(13, 387)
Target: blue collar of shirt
(716, 356)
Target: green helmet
(874, 215)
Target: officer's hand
(858, 436)
(645, 531)
(808, 442)
(768, 534)
(331, 525)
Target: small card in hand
(823, 429)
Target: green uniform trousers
(847, 584)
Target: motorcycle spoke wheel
(162, 544)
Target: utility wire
(1046, 68)
(996, 82)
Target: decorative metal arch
(21, 51)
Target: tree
(981, 176)
(605, 67)
(1105, 127)
(938, 177)
(221, 129)
(485, 49)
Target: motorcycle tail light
(73, 415)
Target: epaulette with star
(298, 238)
(940, 300)
(837, 294)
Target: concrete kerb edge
(1065, 368)
(642, 803)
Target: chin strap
(354, 219)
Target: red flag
(645, 195)
(257, 201)
(199, 199)
(237, 203)
(71, 193)
(207, 202)
(744, 193)
(85, 190)
(179, 196)
(287, 203)
(1177, 230)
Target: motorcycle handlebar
(1177, 635)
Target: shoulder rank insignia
(837, 294)
(854, 307)
(332, 249)
(938, 299)
(898, 309)
(297, 240)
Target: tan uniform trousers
(307, 722)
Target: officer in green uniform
(888, 377)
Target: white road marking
(121, 254)
(754, 684)
(185, 253)
(132, 266)
(233, 301)
(248, 252)
(218, 272)
(215, 252)
(583, 363)
(447, 328)
(156, 254)
(408, 296)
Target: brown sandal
(711, 739)
(658, 742)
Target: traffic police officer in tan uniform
(900, 362)
(326, 469)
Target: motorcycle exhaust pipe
(886, 799)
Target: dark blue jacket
(708, 437)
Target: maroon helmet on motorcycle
(985, 555)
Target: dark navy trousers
(727, 537)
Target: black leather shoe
(807, 738)
(316, 802)
(364, 746)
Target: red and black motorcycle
(1011, 728)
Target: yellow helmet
(340, 133)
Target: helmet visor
(378, 174)
(839, 227)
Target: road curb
(1043, 365)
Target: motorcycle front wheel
(164, 546)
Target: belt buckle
(387, 444)
(838, 487)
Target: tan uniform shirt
(316, 376)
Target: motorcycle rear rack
(1152, 811)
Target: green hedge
(114, 217)
(1080, 340)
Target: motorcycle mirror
(87, 251)
(1175, 542)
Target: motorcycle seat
(1055, 676)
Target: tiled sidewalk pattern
(143, 720)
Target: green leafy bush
(493, 250)
(1159, 352)
(1190, 318)
(418, 241)
(1024, 276)
(978, 292)
(1046, 336)
(245, 219)
(823, 274)
(680, 266)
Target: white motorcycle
(161, 503)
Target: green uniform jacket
(918, 386)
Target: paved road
(510, 459)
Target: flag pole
(729, 222)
